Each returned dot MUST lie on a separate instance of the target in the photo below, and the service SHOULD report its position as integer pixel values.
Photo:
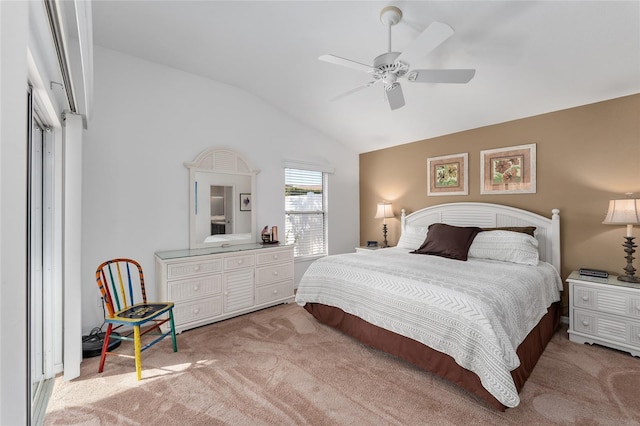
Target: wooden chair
(121, 283)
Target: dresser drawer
(634, 307)
(197, 310)
(603, 300)
(273, 292)
(600, 325)
(274, 273)
(272, 256)
(187, 269)
(236, 262)
(191, 288)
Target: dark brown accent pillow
(529, 230)
(448, 241)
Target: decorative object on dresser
(371, 245)
(269, 236)
(448, 175)
(595, 273)
(508, 170)
(213, 284)
(385, 210)
(605, 311)
(626, 212)
(121, 284)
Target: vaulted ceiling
(531, 57)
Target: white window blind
(305, 211)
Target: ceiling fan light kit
(390, 15)
(390, 66)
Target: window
(305, 211)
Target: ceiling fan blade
(354, 90)
(346, 63)
(441, 76)
(395, 96)
(429, 39)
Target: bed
(480, 318)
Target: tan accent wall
(585, 156)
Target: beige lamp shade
(626, 212)
(623, 212)
(384, 211)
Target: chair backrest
(121, 283)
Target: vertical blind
(305, 211)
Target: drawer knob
(585, 322)
(240, 261)
(196, 311)
(275, 291)
(275, 273)
(196, 268)
(196, 287)
(226, 293)
(585, 298)
(275, 257)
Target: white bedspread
(477, 311)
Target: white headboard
(487, 215)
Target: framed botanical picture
(509, 170)
(448, 175)
(245, 202)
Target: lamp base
(384, 233)
(630, 271)
(629, 279)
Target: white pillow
(507, 246)
(412, 237)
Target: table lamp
(384, 211)
(625, 212)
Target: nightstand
(604, 311)
(363, 249)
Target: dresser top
(611, 280)
(178, 254)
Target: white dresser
(212, 284)
(604, 311)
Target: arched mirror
(221, 189)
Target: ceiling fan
(391, 66)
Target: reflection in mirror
(217, 212)
(217, 217)
(220, 207)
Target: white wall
(148, 120)
(14, 30)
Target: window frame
(325, 172)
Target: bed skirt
(437, 362)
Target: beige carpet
(280, 367)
